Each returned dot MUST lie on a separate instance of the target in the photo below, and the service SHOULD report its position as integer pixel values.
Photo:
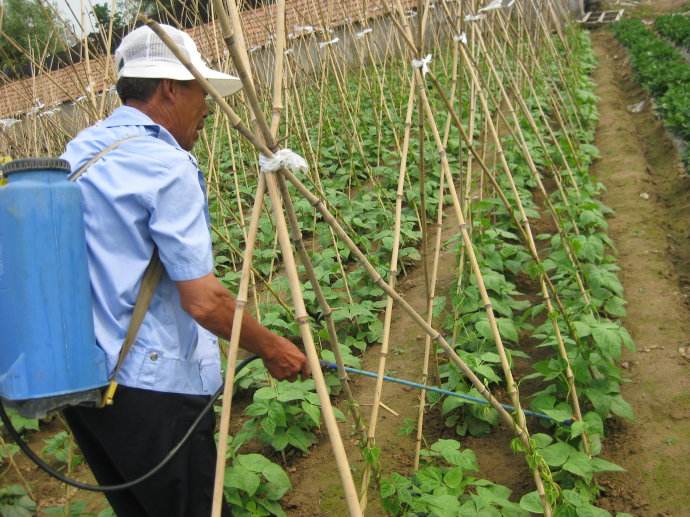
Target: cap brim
(226, 84)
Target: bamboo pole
(514, 84)
(555, 97)
(393, 273)
(269, 181)
(437, 249)
(429, 317)
(298, 241)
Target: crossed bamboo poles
(273, 184)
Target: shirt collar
(129, 116)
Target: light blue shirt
(147, 191)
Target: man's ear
(168, 89)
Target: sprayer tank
(47, 343)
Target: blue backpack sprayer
(49, 358)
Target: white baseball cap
(143, 54)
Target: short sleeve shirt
(146, 193)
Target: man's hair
(136, 88)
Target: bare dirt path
(649, 192)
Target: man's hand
(283, 360)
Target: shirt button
(153, 356)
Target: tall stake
(392, 276)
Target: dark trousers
(127, 439)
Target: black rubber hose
(124, 486)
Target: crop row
(675, 28)
(448, 478)
(660, 67)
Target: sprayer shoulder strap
(149, 282)
(81, 170)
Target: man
(148, 193)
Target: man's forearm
(213, 307)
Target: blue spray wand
(470, 398)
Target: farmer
(144, 193)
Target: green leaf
(582, 329)
(442, 505)
(449, 451)
(454, 477)
(621, 408)
(615, 306)
(299, 438)
(591, 511)
(579, 464)
(21, 423)
(507, 329)
(265, 393)
(560, 415)
(557, 454)
(531, 503)
(253, 462)
(313, 412)
(483, 329)
(289, 393)
(278, 481)
(577, 428)
(280, 441)
(272, 507)
(242, 479)
(607, 340)
(541, 440)
(268, 425)
(601, 465)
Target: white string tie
(497, 4)
(474, 17)
(462, 38)
(301, 30)
(48, 113)
(330, 42)
(363, 32)
(411, 13)
(6, 123)
(288, 51)
(422, 63)
(283, 158)
(304, 28)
